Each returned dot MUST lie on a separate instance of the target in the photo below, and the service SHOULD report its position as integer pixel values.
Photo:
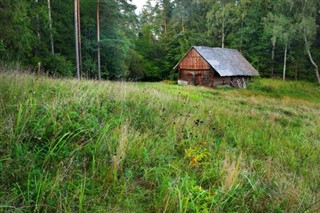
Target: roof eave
(237, 75)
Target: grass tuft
(70, 146)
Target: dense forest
(281, 38)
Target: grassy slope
(124, 147)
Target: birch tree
(280, 26)
(221, 18)
(50, 26)
(308, 28)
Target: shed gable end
(194, 61)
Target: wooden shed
(211, 67)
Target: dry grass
(150, 147)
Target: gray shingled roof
(227, 62)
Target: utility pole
(76, 30)
(98, 38)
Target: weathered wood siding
(195, 70)
(219, 81)
(193, 61)
(197, 77)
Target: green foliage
(26, 36)
(2, 48)
(59, 66)
(89, 68)
(147, 46)
(247, 25)
(135, 66)
(221, 19)
(150, 147)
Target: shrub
(58, 65)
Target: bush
(89, 68)
(58, 65)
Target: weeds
(88, 146)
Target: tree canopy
(281, 38)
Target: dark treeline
(279, 37)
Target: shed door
(197, 79)
(187, 77)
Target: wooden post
(76, 37)
(98, 39)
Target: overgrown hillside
(91, 146)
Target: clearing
(92, 146)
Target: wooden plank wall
(196, 71)
(199, 77)
(219, 81)
(193, 61)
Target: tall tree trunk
(272, 55)
(182, 23)
(39, 40)
(98, 39)
(38, 27)
(79, 39)
(285, 62)
(241, 35)
(316, 68)
(222, 33)
(76, 37)
(50, 27)
(165, 24)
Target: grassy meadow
(71, 146)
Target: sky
(139, 4)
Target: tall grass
(91, 146)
